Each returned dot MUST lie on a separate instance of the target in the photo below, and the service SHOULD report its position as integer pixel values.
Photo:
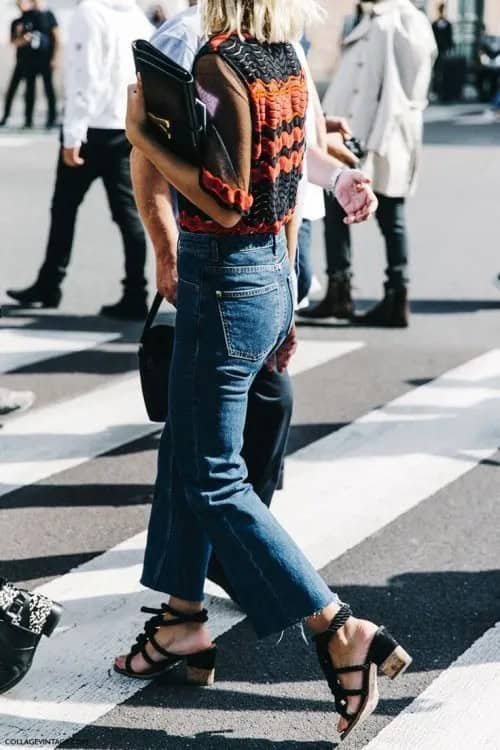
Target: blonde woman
(234, 311)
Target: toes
(120, 662)
(342, 725)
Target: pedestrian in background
(35, 36)
(381, 88)
(443, 34)
(98, 67)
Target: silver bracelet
(334, 180)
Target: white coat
(382, 86)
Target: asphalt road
(421, 556)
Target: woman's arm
(218, 189)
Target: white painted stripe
(382, 465)
(313, 353)
(20, 347)
(61, 436)
(355, 481)
(458, 711)
(58, 437)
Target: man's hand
(167, 278)
(338, 125)
(339, 151)
(136, 113)
(72, 158)
(281, 359)
(356, 197)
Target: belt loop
(275, 244)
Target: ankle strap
(340, 619)
(178, 617)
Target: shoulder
(51, 19)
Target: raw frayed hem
(300, 623)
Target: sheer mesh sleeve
(225, 171)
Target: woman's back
(256, 97)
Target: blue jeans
(234, 308)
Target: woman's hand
(167, 278)
(356, 197)
(137, 118)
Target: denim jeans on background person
(304, 266)
(392, 222)
(234, 308)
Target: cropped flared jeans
(234, 308)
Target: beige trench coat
(382, 86)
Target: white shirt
(99, 65)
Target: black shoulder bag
(155, 354)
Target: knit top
(256, 98)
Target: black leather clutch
(155, 354)
(171, 104)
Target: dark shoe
(3, 122)
(392, 312)
(36, 295)
(128, 308)
(200, 666)
(337, 302)
(384, 653)
(24, 618)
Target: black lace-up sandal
(200, 667)
(384, 653)
(24, 618)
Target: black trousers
(269, 413)
(29, 75)
(46, 74)
(107, 156)
(392, 222)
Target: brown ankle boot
(392, 312)
(337, 302)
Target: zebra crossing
(345, 490)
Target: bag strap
(152, 315)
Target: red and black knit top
(256, 97)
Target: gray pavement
(431, 574)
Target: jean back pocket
(250, 320)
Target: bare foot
(182, 639)
(347, 648)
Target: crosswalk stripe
(458, 711)
(437, 433)
(61, 436)
(20, 347)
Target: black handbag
(179, 118)
(155, 354)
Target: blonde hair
(266, 20)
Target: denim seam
(254, 564)
(245, 293)
(248, 269)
